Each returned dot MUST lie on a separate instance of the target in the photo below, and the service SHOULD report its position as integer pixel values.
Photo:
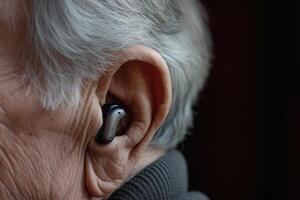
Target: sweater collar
(163, 179)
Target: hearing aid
(112, 116)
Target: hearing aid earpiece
(112, 115)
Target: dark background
(245, 142)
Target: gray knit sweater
(165, 179)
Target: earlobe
(141, 82)
(91, 179)
(98, 186)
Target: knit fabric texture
(165, 179)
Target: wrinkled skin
(49, 150)
(52, 154)
(39, 148)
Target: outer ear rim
(153, 58)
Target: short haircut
(70, 41)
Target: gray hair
(70, 41)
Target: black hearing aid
(112, 115)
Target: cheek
(83, 123)
(43, 161)
(89, 120)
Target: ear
(140, 81)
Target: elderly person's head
(61, 60)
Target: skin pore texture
(52, 154)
